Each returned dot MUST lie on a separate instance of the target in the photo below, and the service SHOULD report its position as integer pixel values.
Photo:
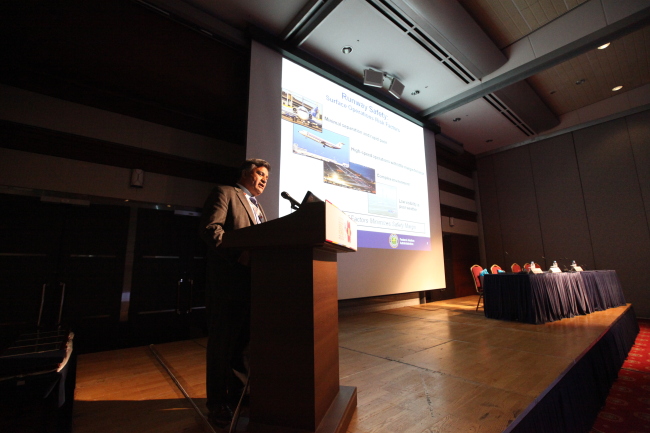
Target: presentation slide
(366, 160)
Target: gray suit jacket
(226, 209)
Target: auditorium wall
(28, 170)
(460, 226)
(582, 196)
(461, 197)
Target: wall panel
(639, 129)
(489, 212)
(615, 210)
(455, 177)
(457, 201)
(49, 173)
(522, 237)
(562, 213)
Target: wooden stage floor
(437, 367)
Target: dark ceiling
(159, 60)
(122, 57)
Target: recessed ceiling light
(580, 81)
(602, 47)
(457, 119)
(415, 92)
(617, 88)
(346, 49)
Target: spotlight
(373, 78)
(396, 88)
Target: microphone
(294, 204)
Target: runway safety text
(358, 107)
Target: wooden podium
(294, 320)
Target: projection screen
(370, 162)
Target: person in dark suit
(228, 286)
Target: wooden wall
(581, 196)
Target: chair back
(515, 268)
(476, 271)
(494, 269)
(527, 266)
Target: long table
(546, 297)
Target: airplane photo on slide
(321, 140)
(302, 111)
(327, 146)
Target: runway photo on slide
(355, 176)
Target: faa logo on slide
(393, 241)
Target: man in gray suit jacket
(228, 288)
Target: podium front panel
(294, 337)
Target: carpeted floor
(627, 409)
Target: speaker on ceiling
(396, 88)
(373, 78)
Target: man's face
(255, 180)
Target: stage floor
(437, 367)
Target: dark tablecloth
(541, 298)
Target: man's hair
(251, 164)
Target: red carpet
(627, 409)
